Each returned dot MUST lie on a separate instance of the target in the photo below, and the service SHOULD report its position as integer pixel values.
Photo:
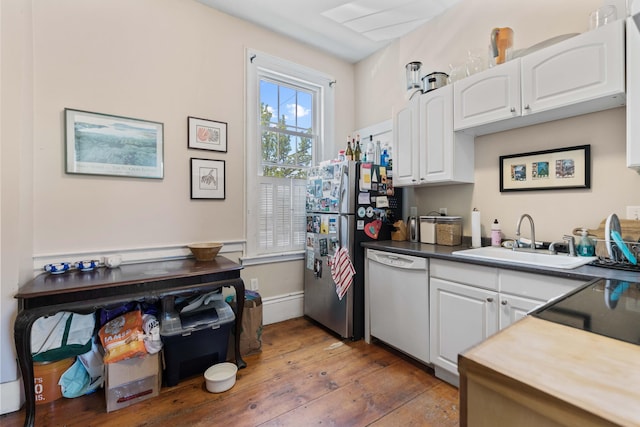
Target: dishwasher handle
(397, 261)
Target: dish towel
(342, 271)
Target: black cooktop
(604, 306)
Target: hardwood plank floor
(304, 376)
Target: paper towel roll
(475, 229)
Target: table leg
(239, 287)
(22, 337)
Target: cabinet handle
(504, 302)
(513, 109)
(489, 299)
(526, 107)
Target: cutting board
(630, 233)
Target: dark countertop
(426, 250)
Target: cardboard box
(131, 381)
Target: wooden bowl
(205, 251)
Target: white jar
(428, 229)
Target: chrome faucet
(516, 244)
(571, 245)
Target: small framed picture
(207, 134)
(207, 179)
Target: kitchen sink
(539, 258)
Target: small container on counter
(428, 229)
(449, 230)
(496, 234)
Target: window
(289, 112)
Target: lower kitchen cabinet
(469, 303)
(514, 308)
(461, 316)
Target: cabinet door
(405, 144)
(461, 316)
(436, 135)
(513, 308)
(633, 94)
(487, 97)
(583, 68)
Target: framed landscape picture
(556, 169)
(207, 134)
(103, 144)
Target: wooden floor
(304, 376)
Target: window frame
(260, 65)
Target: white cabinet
(445, 156)
(633, 93)
(582, 74)
(406, 144)
(488, 97)
(426, 150)
(461, 316)
(514, 308)
(470, 302)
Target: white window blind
(289, 112)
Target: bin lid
(215, 313)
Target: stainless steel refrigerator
(347, 203)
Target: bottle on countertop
(357, 152)
(348, 154)
(586, 247)
(496, 235)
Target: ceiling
(351, 30)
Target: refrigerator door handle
(344, 170)
(346, 224)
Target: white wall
(159, 60)
(380, 88)
(16, 180)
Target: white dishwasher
(397, 298)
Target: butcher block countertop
(537, 372)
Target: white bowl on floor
(220, 377)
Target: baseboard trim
(12, 394)
(282, 307)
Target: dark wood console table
(85, 292)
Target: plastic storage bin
(46, 376)
(201, 341)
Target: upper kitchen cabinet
(445, 156)
(406, 144)
(426, 149)
(633, 92)
(580, 75)
(488, 97)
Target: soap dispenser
(586, 247)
